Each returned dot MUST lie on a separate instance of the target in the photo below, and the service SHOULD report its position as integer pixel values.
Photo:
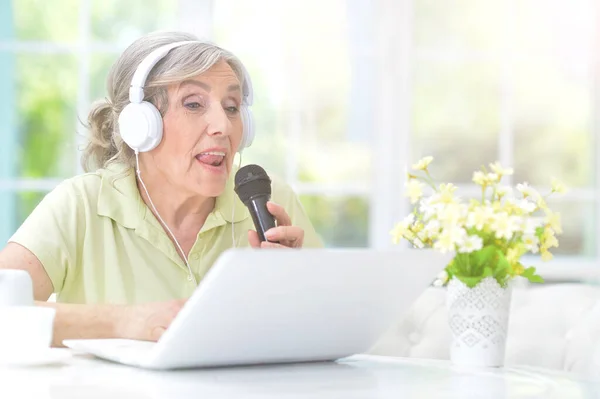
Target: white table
(358, 377)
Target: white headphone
(140, 122)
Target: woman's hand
(285, 234)
(148, 321)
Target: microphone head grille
(250, 181)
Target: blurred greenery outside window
(60, 53)
(490, 80)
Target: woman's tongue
(210, 159)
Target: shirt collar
(120, 200)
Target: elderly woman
(123, 246)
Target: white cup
(25, 330)
(16, 288)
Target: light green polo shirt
(100, 243)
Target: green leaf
(539, 231)
(483, 257)
(536, 279)
(530, 275)
(487, 272)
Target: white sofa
(554, 326)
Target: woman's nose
(217, 121)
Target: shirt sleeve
(286, 197)
(50, 232)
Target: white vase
(478, 319)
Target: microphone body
(253, 187)
(263, 220)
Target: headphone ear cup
(248, 126)
(141, 126)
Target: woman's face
(202, 130)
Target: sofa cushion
(551, 325)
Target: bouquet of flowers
(488, 235)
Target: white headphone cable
(191, 276)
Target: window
(50, 73)
(514, 81)
(312, 96)
(347, 94)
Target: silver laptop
(282, 306)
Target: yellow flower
(414, 190)
(422, 164)
(513, 255)
(503, 191)
(432, 229)
(500, 171)
(558, 187)
(417, 227)
(447, 193)
(553, 221)
(518, 269)
(541, 203)
(546, 256)
(403, 229)
(548, 239)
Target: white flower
(530, 225)
(526, 205)
(498, 169)
(443, 275)
(452, 215)
(441, 279)
(531, 243)
(432, 229)
(438, 283)
(492, 178)
(422, 164)
(480, 217)
(414, 190)
(504, 225)
(471, 244)
(479, 178)
(445, 195)
(428, 211)
(449, 238)
(528, 191)
(402, 229)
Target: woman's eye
(232, 110)
(192, 105)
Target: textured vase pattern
(478, 319)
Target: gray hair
(105, 144)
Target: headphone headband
(136, 90)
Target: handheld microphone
(253, 187)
